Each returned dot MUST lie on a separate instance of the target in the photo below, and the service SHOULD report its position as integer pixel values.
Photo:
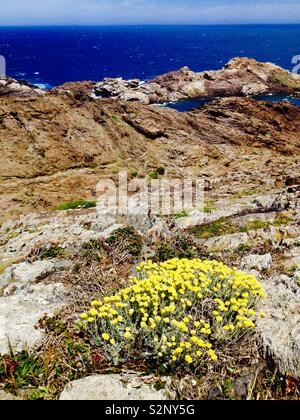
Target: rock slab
(112, 387)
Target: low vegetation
(79, 204)
(177, 313)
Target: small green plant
(134, 174)
(93, 248)
(227, 387)
(154, 175)
(180, 215)
(114, 117)
(55, 324)
(115, 170)
(79, 204)
(41, 394)
(160, 170)
(52, 252)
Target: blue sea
(50, 56)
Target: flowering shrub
(176, 312)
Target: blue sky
(40, 12)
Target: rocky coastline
(55, 255)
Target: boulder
(259, 262)
(280, 330)
(114, 387)
(21, 311)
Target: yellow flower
(105, 336)
(127, 335)
(112, 341)
(90, 320)
(84, 316)
(212, 355)
(262, 314)
(188, 359)
(93, 312)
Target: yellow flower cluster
(175, 310)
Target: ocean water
(190, 104)
(50, 56)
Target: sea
(50, 56)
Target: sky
(111, 12)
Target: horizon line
(146, 24)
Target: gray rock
(280, 330)
(242, 385)
(112, 387)
(21, 311)
(259, 262)
(227, 242)
(30, 272)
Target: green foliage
(160, 170)
(134, 174)
(227, 387)
(180, 246)
(181, 214)
(52, 252)
(126, 239)
(83, 204)
(154, 175)
(216, 228)
(24, 369)
(94, 248)
(55, 324)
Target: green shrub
(52, 252)
(126, 239)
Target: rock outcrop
(18, 88)
(240, 77)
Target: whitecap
(44, 86)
